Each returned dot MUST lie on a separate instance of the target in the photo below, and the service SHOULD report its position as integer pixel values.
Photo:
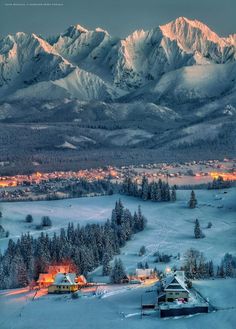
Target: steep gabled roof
(174, 283)
(67, 279)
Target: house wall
(44, 284)
(171, 295)
(57, 289)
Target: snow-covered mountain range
(86, 98)
(92, 65)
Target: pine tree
(153, 191)
(228, 265)
(173, 194)
(166, 193)
(145, 188)
(135, 189)
(118, 272)
(193, 201)
(106, 267)
(29, 218)
(222, 271)
(211, 269)
(46, 221)
(142, 251)
(197, 230)
(201, 270)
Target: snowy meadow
(170, 229)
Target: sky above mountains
(119, 17)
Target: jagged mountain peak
(127, 64)
(183, 27)
(74, 31)
(100, 30)
(80, 28)
(22, 39)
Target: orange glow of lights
(225, 176)
(8, 183)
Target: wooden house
(174, 289)
(81, 281)
(45, 280)
(63, 283)
(144, 274)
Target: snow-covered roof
(65, 279)
(81, 279)
(174, 283)
(45, 277)
(144, 272)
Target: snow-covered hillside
(200, 83)
(169, 229)
(26, 59)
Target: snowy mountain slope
(26, 59)
(198, 83)
(69, 109)
(90, 50)
(77, 84)
(86, 86)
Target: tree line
(196, 266)
(85, 247)
(154, 191)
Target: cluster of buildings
(174, 298)
(38, 177)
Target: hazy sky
(119, 17)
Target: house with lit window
(174, 298)
(144, 274)
(175, 289)
(81, 281)
(63, 283)
(45, 280)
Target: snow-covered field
(169, 229)
(119, 310)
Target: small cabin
(45, 280)
(144, 274)
(81, 280)
(63, 283)
(175, 288)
